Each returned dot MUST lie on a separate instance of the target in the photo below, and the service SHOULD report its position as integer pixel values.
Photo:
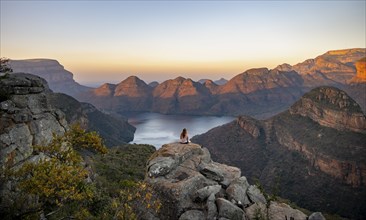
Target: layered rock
(331, 107)
(192, 186)
(26, 117)
(361, 71)
(314, 151)
(59, 79)
(331, 68)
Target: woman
(184, 137)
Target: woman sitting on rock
(184, 137)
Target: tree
(4, 67)
(60, 178)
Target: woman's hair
(184, 133)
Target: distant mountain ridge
(315, 150)
(258, 92)
(59, 79)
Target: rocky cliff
(191, 186)
(331, 68)
(26, 117)
(30, 113)
(361, 72)
(59, 79)
(331, 107)
(312, 153)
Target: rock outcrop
(361, 72)
(192, 186)
(30, 113)
(26, 117)
(59, 79)
(318, 142)
(331, 107)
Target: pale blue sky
(105, 41)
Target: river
(158, 129)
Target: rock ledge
(192, 186)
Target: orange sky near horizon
(107, 41)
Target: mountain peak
(179, 79)
(132, 86)
(331, 107)
(106, 89)
(257, 71)
(284, 67)
(133, 79)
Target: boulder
(206, 191)
(190, 185)
(211, 207)
(276, 211)
(238, 191)
(255, 195)
(192, 215)
(279, 211)
(229, 210)
(316, 216)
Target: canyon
(318, 142)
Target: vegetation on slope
(63, 184)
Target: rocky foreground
(191, 186)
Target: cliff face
(30, 113)
(192, 186)
(361, 72)
(337, 65)
(26, 117)
(318, 143)
(331, 107)
(59, 79)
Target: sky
(106, 41)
